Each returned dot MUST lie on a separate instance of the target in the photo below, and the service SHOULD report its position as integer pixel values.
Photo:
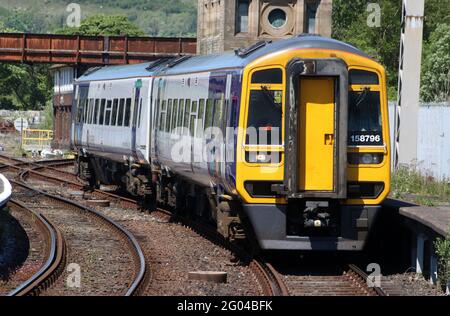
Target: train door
(79, 109)
(316, 129)
(316, 134)
(137, 103)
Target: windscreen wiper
(270, 97)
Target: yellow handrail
(36, 138)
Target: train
(283, 142)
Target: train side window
(80, 111)
(200, 117)
(140, 112)
(187, 112)
(96, 109)
(209, 111)
(180, 113)
(89, 112)
(218, 113)
(169, 114)
(108, 112)
(114, 112)
(162, 121)
(270, 76)
(127, 112)
(174, 113)
(86, 108)
(101, 118)
(120, 113)
(193, 117)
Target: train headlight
(365, 158)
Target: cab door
(316, 134)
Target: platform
(435, 218)
(5, 191)
(426, 224)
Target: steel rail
(55, 254)
(267, 277)
(365, 278)
(140, 278)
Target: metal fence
(433, 144)
(36, 139)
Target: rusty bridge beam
(90, 50)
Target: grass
(442, 246)
(409, 184)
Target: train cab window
(209, 112)
(200, 118)
(114, 112)
(126, 121)
(180, 114)
(273, 76)
(169, 114)
(362, 77)
(174, 114)
(187, 112)
(264, 117)
(101, 117)
(364, 120)
(120, 112)
(108, 112)
(96, 109)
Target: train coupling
(317, 215)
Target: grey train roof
(227, 60)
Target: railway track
(319, 278)
(33, 198)
(269, 280)
(55, 250)
(352, 281)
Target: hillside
(154, 17)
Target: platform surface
(437, 218)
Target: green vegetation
(47, 123)
(106, 25)
(154, 17)
(23, 87)
(410, 185)
(436, 66)
(382, 43)
(442, 246)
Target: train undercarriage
(301, 224)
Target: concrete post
(433, 267)
(420, 253)
(413, 251)
(409, 82)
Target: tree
(436, 66)
(105, 25)
(382, 43)
(25, 87)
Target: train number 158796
(365, 138)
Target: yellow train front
(319, 184)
